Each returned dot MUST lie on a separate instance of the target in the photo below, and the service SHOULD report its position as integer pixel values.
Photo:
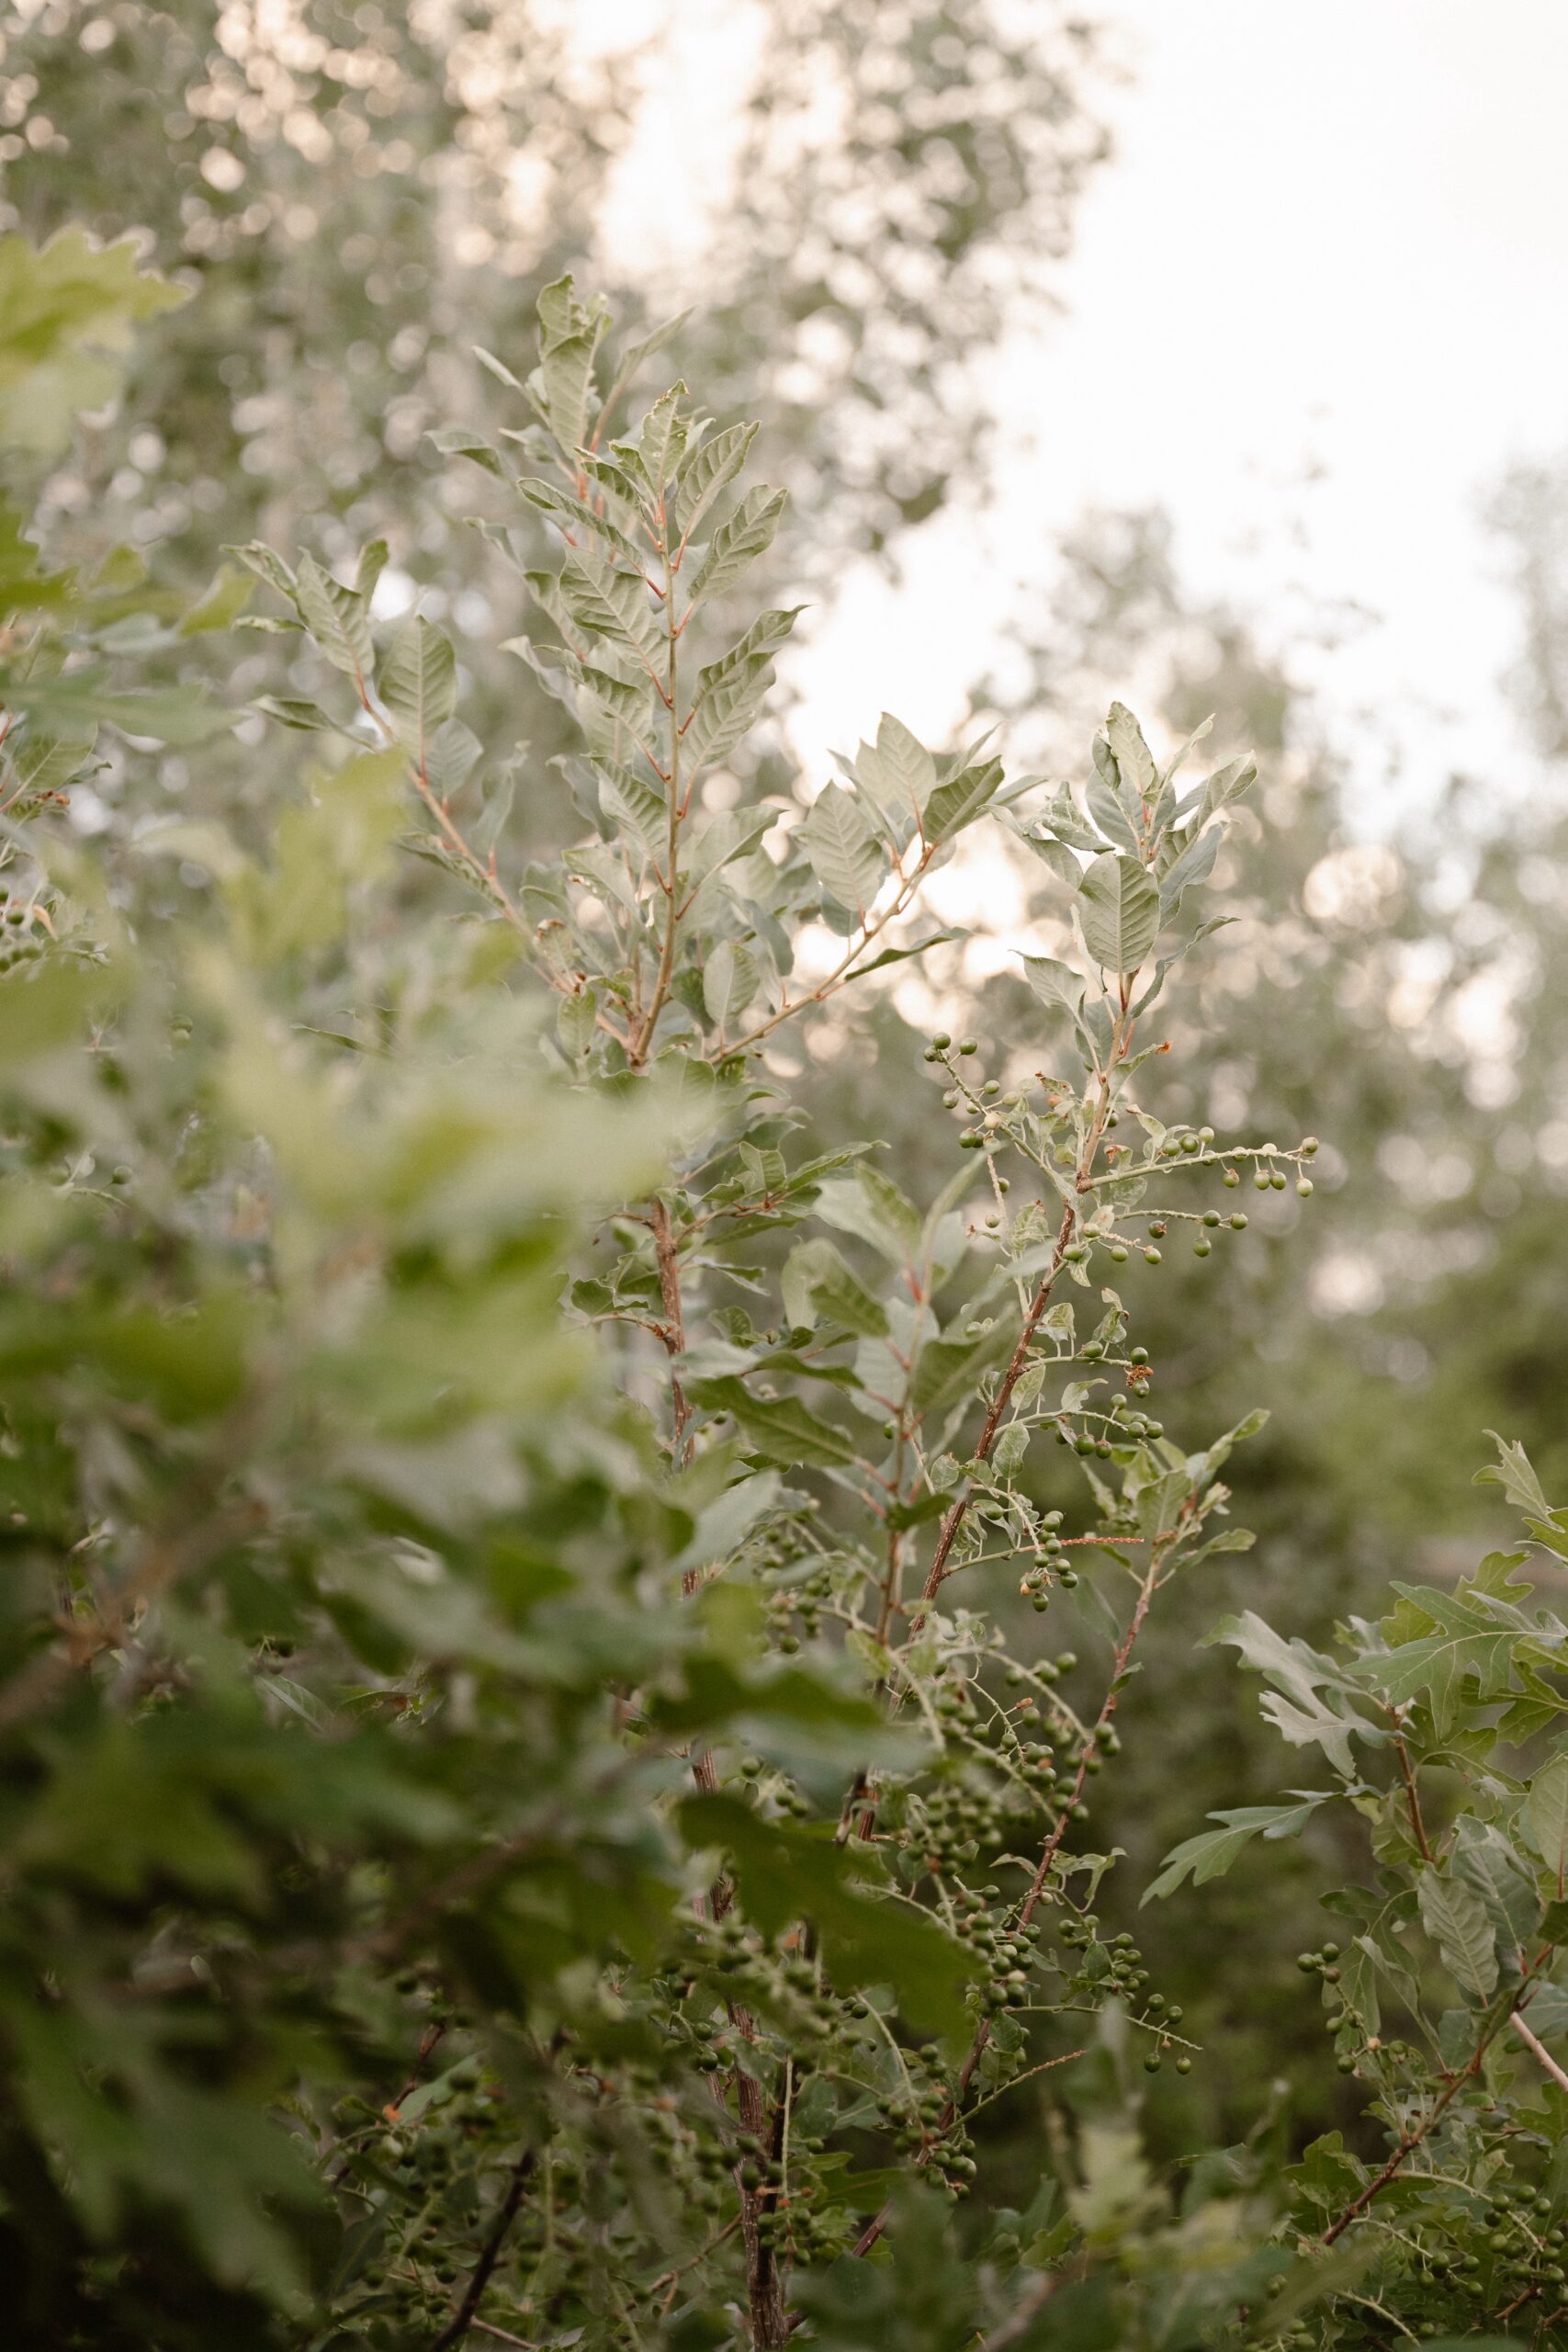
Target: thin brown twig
(1534, 2043)
(1019, 2322)
(1413, 1801)
(1120, 1039)
(1410, 2141)
(463, 2317)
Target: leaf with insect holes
(418, 684)
(845, 857)
(1117, 904)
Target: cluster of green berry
(421, 2174)
(1114, 1967)
(1510, 2250)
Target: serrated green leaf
(844, 855)
(1134, 759)
(1117, 904)
(1455, 1917)
(730, 980)
(418, 684)
(905, 772)
(337, 618)
(709, 470)
(818, 1282)
(738, 542)
(781, 1429)
(957, 803)
(1545, 1815)
(1483, 1859)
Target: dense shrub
(537, 1802)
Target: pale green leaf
(845, 857)
(1455, 1917)
(418, 684)
(1118, 904)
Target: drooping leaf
(1455, 1917)
(1211, 1853)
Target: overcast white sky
(1340, 234)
